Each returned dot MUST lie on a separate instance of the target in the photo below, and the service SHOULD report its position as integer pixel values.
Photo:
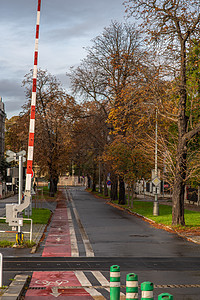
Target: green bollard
(115, 282)
(131, 286)
(147, 290)
(165, 296)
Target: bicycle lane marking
(46, 284)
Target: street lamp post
(99, 176)
(156, 204)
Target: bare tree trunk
(105, 190)
(181, 156)
(132, 194)
(89, 181)
(52, 187)
(128, 195)
(178, 195)
(122, 196)
(94, 178)
(114, 188)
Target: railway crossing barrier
(132, 287)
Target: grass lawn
(39, 215)
(43, 194)
(192, 218)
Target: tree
(54, 110)
(175, 23)
(111, 64)
(14, 134)
(89, 136)
(126, 159)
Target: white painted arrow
(58, 239)
(55, 292)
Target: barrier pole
(147, 290)
(165, 296)
(131, 286)
(115, 282)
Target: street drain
(173, 286)
(37, 288)
(156, 286)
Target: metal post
(31, 231)
(131, 286)
(99, 176)
(20, 188)
(73, 178)
(20, 178)
(155, 204)
(1, 269)
(115, 282)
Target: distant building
(2, 127)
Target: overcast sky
(66, 27)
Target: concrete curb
(39, 236)
(15, 289)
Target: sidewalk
(9, 235)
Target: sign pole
(155, 204)
(20, 187)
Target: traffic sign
(108, 182)
(10, 155)
(15, 156)
(156, 181)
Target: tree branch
(192, 132)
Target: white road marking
(88, 248)
(74, 245)
(85, 282)
(55, 292)
(104, 282)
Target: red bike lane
(57, 284)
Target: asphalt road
(154, 254)
(113, 232)
(107, 236)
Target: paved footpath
(48, 285)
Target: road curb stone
(15, 289)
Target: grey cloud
(66, 28)
(13, 107)
(10, 88)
